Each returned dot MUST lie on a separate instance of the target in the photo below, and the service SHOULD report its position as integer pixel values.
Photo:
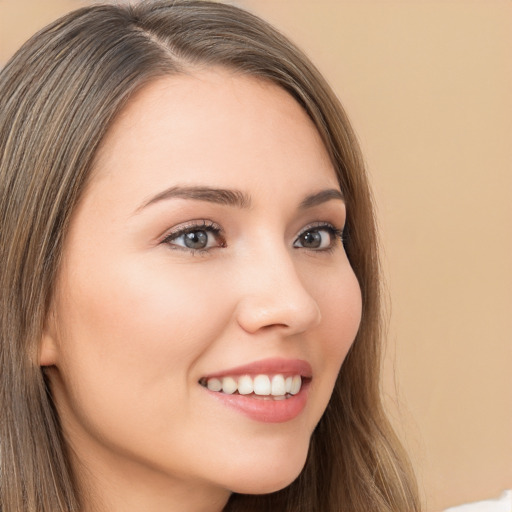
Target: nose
(273, 296)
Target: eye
(318, 238)
(196, 237)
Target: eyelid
(319, 226)
(217, 231)
(190, 226)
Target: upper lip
(267, 367)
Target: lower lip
(266, 411)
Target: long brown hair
(58, 96)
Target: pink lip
(267, 367)
(267, 411)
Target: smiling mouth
(262, 386)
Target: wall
(428, 85)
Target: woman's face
(206, 252)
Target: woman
(189, 257)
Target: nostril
(273, 312)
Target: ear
(48, 347)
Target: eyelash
(204, 225)
(335, 234)
(213, 228)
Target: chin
(270, 475)
(268, 484)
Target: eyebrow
(211, 195)
(236, 198)
(321, 197)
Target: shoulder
(503, 504)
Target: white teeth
(296, 384)
(277, 386)
(288, 384)
(245, 385)
(262, 385)
(214, 384)
(229, 385)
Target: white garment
(503, 504)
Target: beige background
(428, 85)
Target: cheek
(129, 328)
(339, 299)
(130, 336)
(341, 311)
(340, 304)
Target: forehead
(216, 127)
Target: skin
(137, 321)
